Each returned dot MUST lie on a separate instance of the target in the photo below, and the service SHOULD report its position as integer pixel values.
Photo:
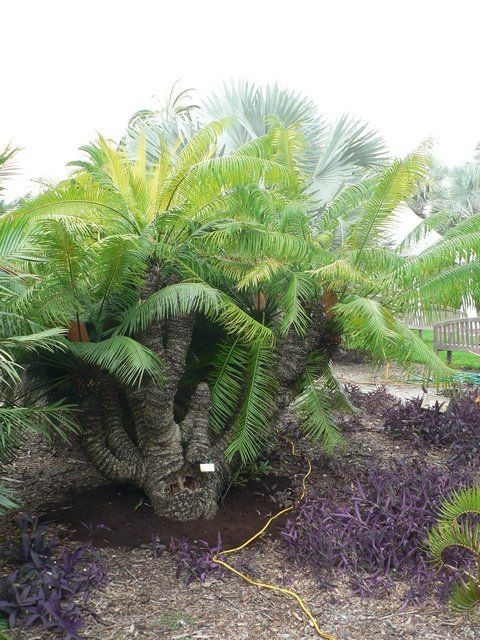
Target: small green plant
(458, 529)
(249, 472)
(175, 620)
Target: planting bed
(131, 523)
(143, 598)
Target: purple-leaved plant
(195, 559)
(457, 428)
(49, 587)
(377, 401)
(373, 529)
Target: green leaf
(229, 371)
(251, 429)
(123, 357)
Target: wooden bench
(462, 334)
(419, 321)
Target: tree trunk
(133, 437)
(160, 456)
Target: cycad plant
(124, 257)
(458, 529)
(203, 291)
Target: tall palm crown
(333, 154)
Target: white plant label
(207, 467)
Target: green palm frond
(346, 204)
(338, 275)
(460, 503)
(121, 356)
(444, 289)
(237, 322)
(117, 269)
(367, 325)
(171, 301)
(394, 185)
(201, 146)
(15, 244)
(455, 530)
(48, 340)
(251, 239)
(64, 289)
(229, 371)
(82, 204)
(225, 172)
(14, 324)
(298, 290)
(465, 594)
(446, 535)
(9, 369)
(262, 272)
(15, 422)
(320, 395)
(251, 429)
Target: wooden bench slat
(462, 334)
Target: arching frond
(367, 325)
(123, 357)
(253, 422)
(169, 302)
(395, 184)
(229, 371)
(298, 291)
(82, 203)
(320, 394)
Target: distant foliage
(374, 529)
(49, 587)
(458, 428)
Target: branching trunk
(133, 437)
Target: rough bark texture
(133, 437)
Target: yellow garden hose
(272, 587)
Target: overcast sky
(70, 69)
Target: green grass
(460, 359)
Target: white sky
(70, 69)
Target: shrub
(377, 401)
(49, 587)
(374, 529)
(458, 528)
(458, 428)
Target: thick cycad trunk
(148, 449)
(132, 435)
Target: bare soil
(130, 521)
(143, 598)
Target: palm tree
(459, 194)
(121, 259)
(333, 155)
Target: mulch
(144, 600)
